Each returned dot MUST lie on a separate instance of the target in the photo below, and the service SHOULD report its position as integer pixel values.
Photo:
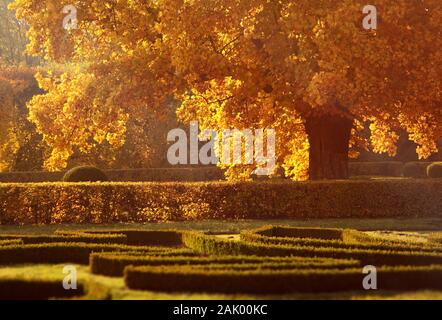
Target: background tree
(306, 68)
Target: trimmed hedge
(166, 238)
(10, 242)
(415, 169)
(111, 264)
(142, 202)
(435, 237)
(69, 252)
(85, 174)
(78, 237)
(211, 245)
(25, 289)
(310, 237)
(376, 168)
(200, 279)
(149, 174)
(434, 170)
(316, 233)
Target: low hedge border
(110, 264)
(79, 237)
(375, 168)
(25, 289)
(210, 245)
(69, 252)
(435, 237)
(135, 237)
(143, 174)
(200, 279)
(11, 242)
(53, 203)
(281, 236)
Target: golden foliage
(239, 64)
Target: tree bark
(329, 138)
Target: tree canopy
(306, 68)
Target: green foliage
(196, 279)
(112, 264)
(63, 252)
(435, 237)
(211, 245)
(132, 237)
(85, 174)
(77, 237)
(25, 289)
(347, 239)
(268, 260)
(434, 170)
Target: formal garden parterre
(271, 260)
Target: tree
(12, 37)
(21, 147)
(306, 68)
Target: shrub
(64, 252)
(435, 237)
(74, 237)
(289, 236)
(53, 203)
(9, 242)
(375, 168)
(146, 237)
(211, 245)
(434, 170)
(149, 174)
(35, 289)
(84, 174)
(201, 279)
(317, 233)
(415, 169)
(111, 264)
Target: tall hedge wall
(139, 202)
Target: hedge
(133, 237)
(211, 245)
(79, 237)
(85, 174)
(415, 169)
(375, 168)
(142, 202)
(435, 237)
(434, 170)
(25, 289)
(111, 264)
(10, 242)
(68, 252)
(311, 237)
(149, 174)
(195, 279)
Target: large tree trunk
(329, 138)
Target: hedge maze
(268, 260)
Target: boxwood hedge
(202, 279)
(51, 203)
